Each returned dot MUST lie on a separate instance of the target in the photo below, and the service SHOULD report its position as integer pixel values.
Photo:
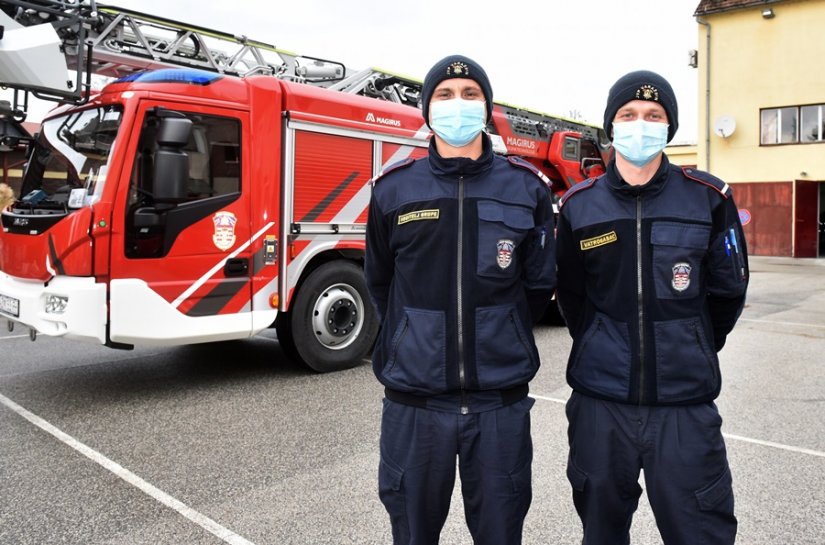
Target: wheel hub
(338, 316)
(342, 316)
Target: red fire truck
(207, 195)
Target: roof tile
(706, 7)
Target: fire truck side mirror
(171, 170)
(174, 132)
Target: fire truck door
(181, 270)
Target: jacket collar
(462, 166)
(652, 187)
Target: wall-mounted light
(768, 13)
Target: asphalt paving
(233, 443)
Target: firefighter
(460, 262)
(653, 271)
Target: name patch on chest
(418, 215)
(601, 240)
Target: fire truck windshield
(68, 165)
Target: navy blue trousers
(416, 477)
(682, 452)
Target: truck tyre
(283, 326)
(332, 324)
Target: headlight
(56, 304)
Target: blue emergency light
(171, 75)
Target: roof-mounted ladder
(44, 37)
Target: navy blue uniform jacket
(652, 278)
(460, 261)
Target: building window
(811, 129)
(792, 125)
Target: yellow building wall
(682, 155)
(761, 63)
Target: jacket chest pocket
(678, 252)
(501, 229)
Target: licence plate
(9, 305)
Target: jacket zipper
(640, 299)
(459, 296)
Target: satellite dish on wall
(725, 126)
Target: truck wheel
(332, 324)
(283, 326)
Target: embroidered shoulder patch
(681, 276)
(418, 215)
(601, 240)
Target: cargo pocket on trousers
(718, 495)
(522, 478)
(716, 521)
(519, 501)
(391, 492)
(577, 477)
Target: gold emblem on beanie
(458, 69)
(647, 92)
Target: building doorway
(822, 220)
(806, 218)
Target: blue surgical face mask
(639, 141)
(457, 121)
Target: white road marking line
(742, 438)
(775, 445)
(203, 521)
(553, 399)
(777, 322)
(14, 337)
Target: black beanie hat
(455, 66)
(642, 85)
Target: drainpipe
(707, 93)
